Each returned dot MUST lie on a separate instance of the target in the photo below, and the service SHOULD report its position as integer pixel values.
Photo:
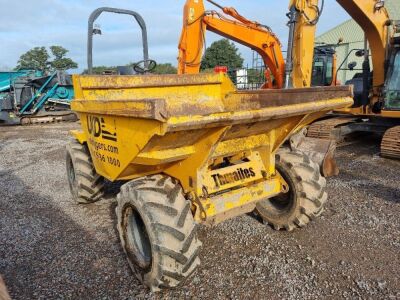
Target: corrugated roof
(351, 32)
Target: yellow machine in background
(378, 101)
(377, 97)
(193, 150)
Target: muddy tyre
(306, 197)
(157, 231)
(85, 184)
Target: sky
(28, 24)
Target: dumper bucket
(193, 126)
(173, 112)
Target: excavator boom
(239, 29)
(303, 18)
(296, 72)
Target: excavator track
(49, 118)
(327, 129)
(390, 146)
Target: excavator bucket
(320, 151)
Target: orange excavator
(295, 72)
(237, 28)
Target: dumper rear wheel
(85, 184)
(306, 197)
(157, 231)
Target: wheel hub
(138, 244)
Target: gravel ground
(51, 248)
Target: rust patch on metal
(272, 98)
(100, 82)
(154, 109)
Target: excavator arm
(297, 72)
(237, 28)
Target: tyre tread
(90, 185)
(310, 186)
(160, 199)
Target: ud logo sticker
(97, 127)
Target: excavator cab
(392, 92)
(324, 66)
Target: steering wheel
(141, 68)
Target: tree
(165, 69)
(222, 53)
(36, 58)
(61, 62)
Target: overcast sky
(27, 24)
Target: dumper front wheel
(157, 231)
(85, 184)
(306, 197)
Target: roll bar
(93, 17)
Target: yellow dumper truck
(193, 150)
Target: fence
(248, 78)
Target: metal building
(353, 38)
